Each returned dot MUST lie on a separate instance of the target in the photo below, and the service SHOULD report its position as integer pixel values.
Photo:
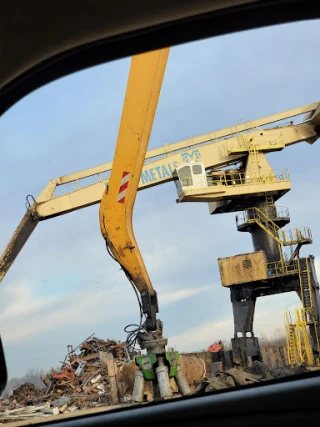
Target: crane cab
(191, 175)
(229, 188)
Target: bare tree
(32, 376)
(278, 339)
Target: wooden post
(282, 351)
(272, 358)
(265, 357)
(108, 360)
(285, 356)
(276, 356)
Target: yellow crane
(81, 189)
(228, 170)
(140, 104)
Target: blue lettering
(145, 177)
(158, 170)
(165, 172)
(194, 153)
(152, 174)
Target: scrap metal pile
(83, 381)
(84, 372)
(100, 373)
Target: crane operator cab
(190, 176)
(194, 184)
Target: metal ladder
(253, 159)
(269, 199)
(306, 288)
(292, 352)
(303, 338)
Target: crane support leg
(245, 346)
(308, 292)
(17, 241)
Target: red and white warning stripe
(123, 187)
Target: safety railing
(242, 178)
(79, 184)
(295, 236)
(291, 338)
(283, 237)
(303, 338)
(282, 268)
(270, 141)
(298, 339)
(236, 179)
(273, 212)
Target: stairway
(305, 288)
(292, 352)
(298, 341)
(303, 338)
(284, 238)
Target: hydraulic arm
(143, 89)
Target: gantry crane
(231, 173)
(275, 266)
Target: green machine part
(147, 362)
(173, 357)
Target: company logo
(194, 154)
(158, 173)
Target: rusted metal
(193, 367)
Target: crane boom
(201, 139)
(158, 171)
(141, 99)
(158, 167)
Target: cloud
(25, 314)
(172, 297)
(201, 336)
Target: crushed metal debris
(100, 373)
(84, 380)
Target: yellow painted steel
(140, 104)
(303, 337)
(292, 349)
(299, 349)
(224, 150)
(282, 268)
(213, 150)
(283, 237)
(201, 139)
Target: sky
(63, 286)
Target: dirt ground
(79, 413)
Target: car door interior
(293, 399)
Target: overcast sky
(63, 286)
